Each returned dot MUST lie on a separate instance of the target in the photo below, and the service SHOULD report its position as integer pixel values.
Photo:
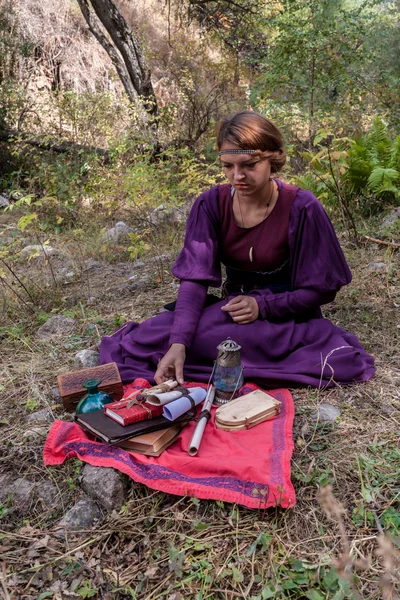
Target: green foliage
(380, 499)
(301, 579)
(359, 174)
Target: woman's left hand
(243, 309)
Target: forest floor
(162, 546)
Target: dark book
(111, 432)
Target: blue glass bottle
(94, 399)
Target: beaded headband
(237, 152)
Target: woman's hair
(252, 131)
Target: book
(152, 444)
(247, 411)
(70, 384)
(111, 432)
(125, 412)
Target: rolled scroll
(161, 399)
(175, 409)
(205, 415)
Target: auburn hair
(252, 131)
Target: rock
(55, 326)
(5, 480)
(86, 359)
(379, 267)
(37, 250)
(85, 513)
(327, 412)
(171, 214)
(391, 218)
(47, 493)
(139, 265)
(41, 416)
(4, 202)
(55, 394)
(65, 273)
(37, 431)
(21, 492)
(132, 277)
(121, 229)
(107, 486)
(160, 259)
(92, 264)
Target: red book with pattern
(124, 415)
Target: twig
(21, 283)
(3, 582)
(4, 282)
(383, 242)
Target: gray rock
(171, 214)
(379, 267)
(5, 481)
(120, 229)
(84, 359)
(139, 265)
(132, 277)
(55, 394)
(4, 202)
(92, 264)
(327, 412)
(47, 493)
(22, 492)
(107, 486)
(85, 513)
(56, 326)
(65, 273)
(37, 251)
(40, 416)
(391, 218)
(36, 431)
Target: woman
(283, 261)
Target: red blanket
(249, 467)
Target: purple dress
(290, 343)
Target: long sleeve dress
(298, 266)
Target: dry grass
(161, 546)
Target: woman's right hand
(171, 365)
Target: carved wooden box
(70, 384)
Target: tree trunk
(124, 51)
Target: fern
(395, 155)
(383, 180)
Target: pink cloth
(249, 467)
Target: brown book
(107, 430)
(70, 384)
(152, 444)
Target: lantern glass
(228, 379)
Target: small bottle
(94, 399)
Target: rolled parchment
(161, 399)
(175, 409)
(195, 442)
(166, 386)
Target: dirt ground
(161, 546)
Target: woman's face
(245, 172)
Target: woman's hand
(171, 365)
(243, 309)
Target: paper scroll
(175, 409)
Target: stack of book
(135, 427)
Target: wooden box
(70, 384)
